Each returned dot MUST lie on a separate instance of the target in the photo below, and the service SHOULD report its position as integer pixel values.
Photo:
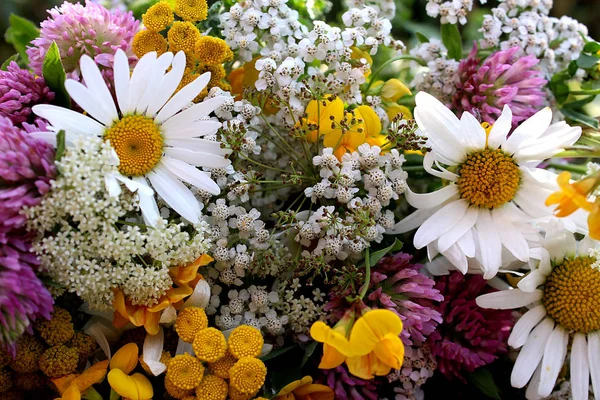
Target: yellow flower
(222, 366)
(136, 386)
(304, 389)
(319, 114)
(210, 345)
(190, 321)
(248, 375)
(191, 10)
(594, 220)
(245, 341)
(358, 54)
(393, 110)
(336, 347)
(72, 393)
(158, 17)
(58, 329)
(393, 90)
(372, 126)
(81, 382)
(572, 196)
(375, 344)
(183, 36)
(146, 41)
(211, 50)
(212, 387)
(58, 360)
(185, 371)
(350, 137)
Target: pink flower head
(469, 337)
(483, 89)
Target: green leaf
(378, 255)
(6, 63)
(452, 40)
(572, 69)
(591, 47)
(309, 349)
(114, 395)
(422, 38)
(54, 75)
(586, 61)
(60, 145)
(561, 92)
(278, 352)
(581, 118)
(579, 103)
(484, 381)
(20, 33)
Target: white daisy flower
(563, 296)
(157, 144)
(494, 190)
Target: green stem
(585, 92)
(388, 62)
(579, 169)
(365, 287)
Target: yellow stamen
(146, 41)
(572, 295)
(191, 10)
(488, 178)
(211, 50)
(183, 36)
(158, 17)
(138, 143)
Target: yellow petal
(185, 274)
(594, 221)
(373, 326)
(152, 322)
(290, 387)
(91, 376)
(333, 138)
(390, 351)
(370, 120)
(72, 393)
(394, 109)
(126, 358)
(367, 366)
(63, 383)
(394, 89)
(331, 358)
(314, 392)
(135, 387)
(334, 338)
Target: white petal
(594, 359)
(457, 231)
(168, 85)
(443, 173)
(184, 347)
(580, 368)
(183, 97)
(198, 158)
(169, 315)
(531, 354)
(431, 200)
(87, 100)
(508, 299)
(112, 185)
(155, 78)
(266, 349)
(148, 204)
(175, 194)
(98, 330)
(552, 362)
(69, 121)
(191, 175)
(466, 244)
(200, 297)
(530, 282)
(440, 223)
(553, 141)
(510, 237)
(187, 117)
(121, 72)
(524, 325)
(441, 127)
(500, 129)
(152, 352)
(411, 221)
(532, 389)
(199, 145)
(142, 73)
(457, 258)
(135, 185)
(472, 132)
(185, 130)
(489, 244)
(532, 128)
(95, 83)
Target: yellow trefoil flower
(393, 110)
(71, 386)
(304, 389)
(393, 90)
(336, 346)
(361, 126)
(319, 113)
(134, 387)
(372, 126)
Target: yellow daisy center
(488, 178)
(572, 295)
(248, 375)
(245, 341)
(211, 50)
(183, 36)
(138, 143)
(185, 371)
(210, 345)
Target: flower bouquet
(275, 199)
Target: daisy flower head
(495, 189)
(562, 294)
(158, 145)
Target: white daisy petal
(183, 97)
(500, 129)
(552, 362)
(443, 173)
(467, 243)
(156, 75)
(531, 128)
(121, 72)
(112, 185)
(197, 158)
(531, 393)
(68, 120)
(189, 130)
(175, 194)
(167, 85)
(411, 221)
(580, 368)
(431, 200)
(200, 297)
(594, 359)
(440, 222)
(152, 352)
(458, 230)
(95, 83)
(531, 281)
(556, 138)
(441, 127)
(473, 133)
(148, 204)
(142, 73)
(190, 115)
(490, 244)
(510, 236)
(87, 100)
(191, 175)
(457, 258)
(531, 354)
(199, 145)
(508, 299)
(520, 332)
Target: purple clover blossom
(470, 337)
(19, 91)
(26, 169)
(79, 30)
(349, 387)
(483, 89)
(397, 285)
